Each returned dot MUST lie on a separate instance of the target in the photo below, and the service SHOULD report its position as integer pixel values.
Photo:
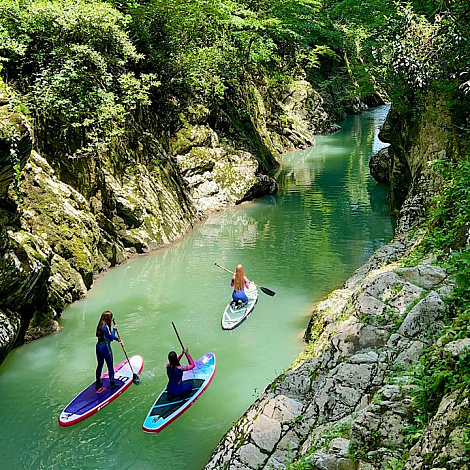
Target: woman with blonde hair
(105, 334)
(239, 283)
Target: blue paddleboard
(166, 409)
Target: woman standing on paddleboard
(105, 334)
(239, 282)
(174, 370)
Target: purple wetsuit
(176, 386)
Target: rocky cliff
(64, 220)
(354, 399)
(406, 165)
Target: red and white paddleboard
(89, 401)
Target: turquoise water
(327, 219)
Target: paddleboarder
(105, 334)
(176, 387)
(239, 282)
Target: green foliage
(205, 49)
(424, 47)
(340, 430)
(395, 464)
(89, 68)
(15, 115)
(437, 374)
(465, 443)
(69, 59)
(359, 25)
(449, 228)
(303, 463)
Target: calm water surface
(327, 219)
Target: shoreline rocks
(341, 406)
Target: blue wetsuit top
(107, 335)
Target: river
(327, 219)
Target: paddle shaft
(179, 339)
(225, 269)
(263, 289)
(176, 331)
(134, 375)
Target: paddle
(179, 339)
(263, 289)
(176, 331)
(135, 377)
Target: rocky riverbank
(345, 403)
(352, 400)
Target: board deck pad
(167, 405)
(233, 317)
(89, 401)
(167, 408)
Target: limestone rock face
(342, 406)
(405, 164)
(448, 427)
(217, 177)
(380, 165)
(300, 115)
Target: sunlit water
(327, 219)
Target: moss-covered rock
(60, 216)
(414, 143)
(15, 139)
(24, 273)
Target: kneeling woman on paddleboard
(105, 334)
(239, 282)
(174, 370)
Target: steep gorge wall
(415, 142)
(64, 224)
(347, 401)
(63, 221)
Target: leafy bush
(71, 60)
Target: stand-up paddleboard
(166, 408)
(89, 401)
(234, 313)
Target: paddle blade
(136, 379)
(267, 291)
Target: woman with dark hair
(239, 282)
(174, 370)
(105, 334)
